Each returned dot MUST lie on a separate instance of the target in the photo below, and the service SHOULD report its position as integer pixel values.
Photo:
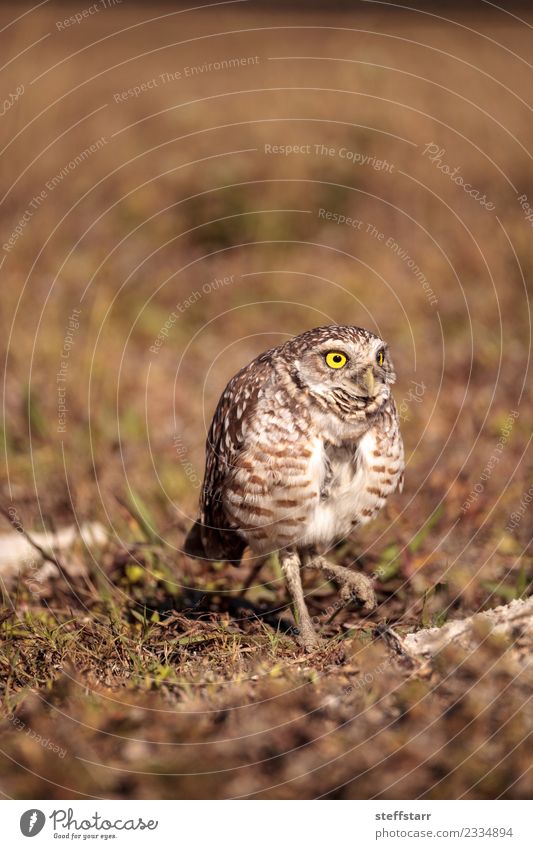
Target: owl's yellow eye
(380, 357)
(336, 360)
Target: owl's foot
(354, 585)
(307, 638)
(358, 587)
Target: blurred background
(183, 189)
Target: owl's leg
(354, 585)
(290, 564)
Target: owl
(303, 448)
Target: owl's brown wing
(212, 536)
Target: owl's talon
(359, 588)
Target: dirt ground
(181, 191)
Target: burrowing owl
(304, 446)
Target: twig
(393, 641)
(15, 522)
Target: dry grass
(153, 674)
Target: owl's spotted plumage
(303, 447)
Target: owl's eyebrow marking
(334, 346)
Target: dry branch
(20, 551)
(514, 620)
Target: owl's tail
(204, 543)
(194, 546)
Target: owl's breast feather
(355, 480)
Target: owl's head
(347, 367)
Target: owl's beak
(369, 381)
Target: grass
(155, 675)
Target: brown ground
(146, 674)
